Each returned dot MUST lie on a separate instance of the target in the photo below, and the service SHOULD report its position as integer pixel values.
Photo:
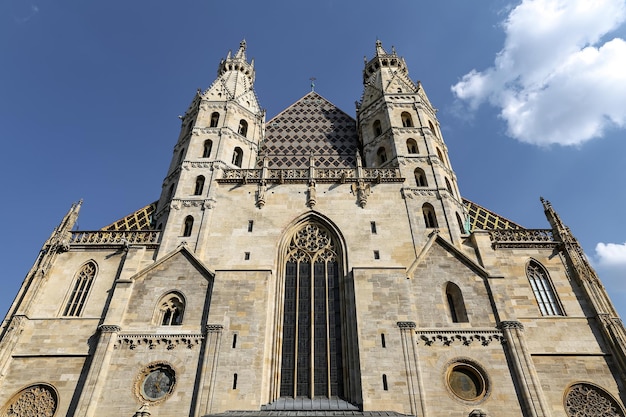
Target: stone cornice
(459, 337)
(167, 341)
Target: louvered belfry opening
(311, 348)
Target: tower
(398, 127)
(222, 128)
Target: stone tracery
(585, 400)
(35, 401)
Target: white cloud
(611, 254)
(556, 81)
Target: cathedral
(312, 264)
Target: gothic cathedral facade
(312, 264)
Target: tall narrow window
(411, 146)
(449, 186)
(541, 284)
(461, 224)
(199, 185)
(407, 121)
(456, 306)
(311, 347)
(170, 192)
(440, 155)
(188, 226)
(171, 310)
(382, 155)
(215, 118)
(82, 285)
(429, 216)
(208, 145)
(420, 177)
(243, 128)
(378, 130)
(181, 155)
(432, 128)
(237, 156)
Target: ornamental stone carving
(35, 401)
(460, 337)
(586, 400)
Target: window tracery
(544, 291)
(37, 400)
(586, 400)
(171, 310)
(311, 348)
(82, 285)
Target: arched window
(456, 306)
(188, 226)
(311, 363)
(420, 177)
(181, 155)
(411, 146)
(381, 154)
(237, 156)
(215, 118)
(82, 284)
(440, 155)
(243, 128)
(377, 129)
(449, 186)
(171, 309)
(407, 121)
(432, 128)
(208, 145)
(199, 185)
(430, 220)
(541, 284)
(461, 224)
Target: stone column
(414, 382)
(98, 370)
(208, 375)
(526, 378)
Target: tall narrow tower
(222, 128)
(398, 127)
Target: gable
(311, 126)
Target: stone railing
(319, 175)
(522, 238)
(115, 237)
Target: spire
(241, 53)
(379, 48)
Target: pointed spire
(241, 53)
(379, 48)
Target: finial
(242, 44)
(393, 50)
(312, 83)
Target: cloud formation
(611, 254)
(557, 80)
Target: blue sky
(531, 98)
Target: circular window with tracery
(466, 381)
(155, 382)
(34, 401)
(587, 400)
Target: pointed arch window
(311, 347)
(82, 284)
(430, 219)
(541, 284)
(381, 154)
(461, 224)
(440, 155)
(171, 309)
(378, 130)
(215, 118)
(420, 177)
(411, 146)
(237, 157)
(181, 155)
(188, 226)
(432, 128)
(456, 306)
(199, 185)
(449, 186)
(243, 128)
(407, 121)
(208, 145)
